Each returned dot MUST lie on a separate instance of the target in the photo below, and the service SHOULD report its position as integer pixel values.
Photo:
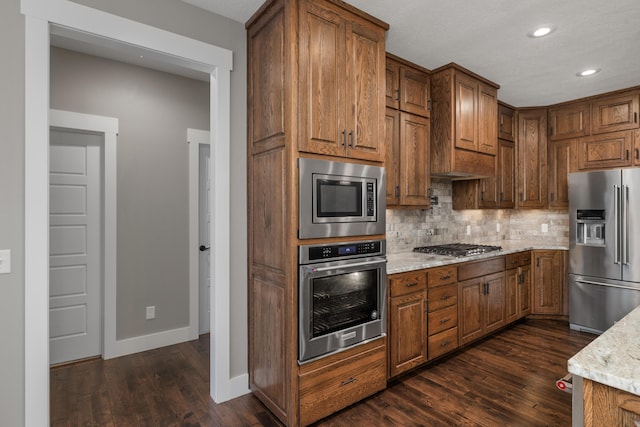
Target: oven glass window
(343, 301)
(338, 198)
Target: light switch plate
(545, 228)
(5, 261)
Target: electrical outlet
(497, 227)
(5, 261)
(545, 228)
(468, 230)
(151, 312)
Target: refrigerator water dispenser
(590, 227)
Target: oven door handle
(351, 265)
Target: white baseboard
(146, 342)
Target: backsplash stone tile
(408, 228)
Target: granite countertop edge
(402, 262)
(613, 359)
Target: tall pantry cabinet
(315, 88)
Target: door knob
(204, 248)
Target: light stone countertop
(401, 262)
(613, 358)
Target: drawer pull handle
(445, 343)
(410, 285)
(514, 262)
(349, 381)
(445, 297)
(445, 277)
(443, 321)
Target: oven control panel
(311, 253)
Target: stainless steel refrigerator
(604, 247)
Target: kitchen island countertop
(613, 359)
(401, 262)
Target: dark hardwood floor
(505, 380)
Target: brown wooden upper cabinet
(636, 148)
(341, 83)
(615, 113)
(532, 158)
(506, 123)
(562, 160)
(464, 120)
(407, 162)
(569, 121)
(610, 150)
(407, 87)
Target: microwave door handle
(616, 221)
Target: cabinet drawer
(519, 259)
(442, 296)
(480, 268)
(441, 320)
(406, 283)
(442, 275)
(340, 384)
(443, 342)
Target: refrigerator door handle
(611, 285)
(616, 221)
(624, 208)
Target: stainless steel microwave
(340, 199)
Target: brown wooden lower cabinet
(331, 385)
(518, 284)
(549, 282)
(481, 306)
(408, 321)
(608, 406)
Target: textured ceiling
(490, 38)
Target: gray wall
(154, 110)
(181, 18)
(171, 15)
(12, 212)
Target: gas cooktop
(457, 249)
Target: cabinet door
(569, 121)
(512, 304)
(392, 155)
(548, 279)
(408, 332)
(392, 84)
(470, 312)
(524, 291)
(561, 162)
(488, 188)
(494, 301)
(487, 119)
(610, 150)
(532, 159)
(322, 70)
(506, 123)
(365, 82)
(506, 174)
(636, 148)
(414, 91)
(414, 160)
(466, 112)
(614, 113)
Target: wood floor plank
(507, 379)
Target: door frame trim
(195, 138)
(108, 127)
(189, 53)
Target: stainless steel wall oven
(342, 290)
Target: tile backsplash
(407, 228)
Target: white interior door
(204, 231)
(75, 267)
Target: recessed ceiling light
(589, 72)
(541, 31)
